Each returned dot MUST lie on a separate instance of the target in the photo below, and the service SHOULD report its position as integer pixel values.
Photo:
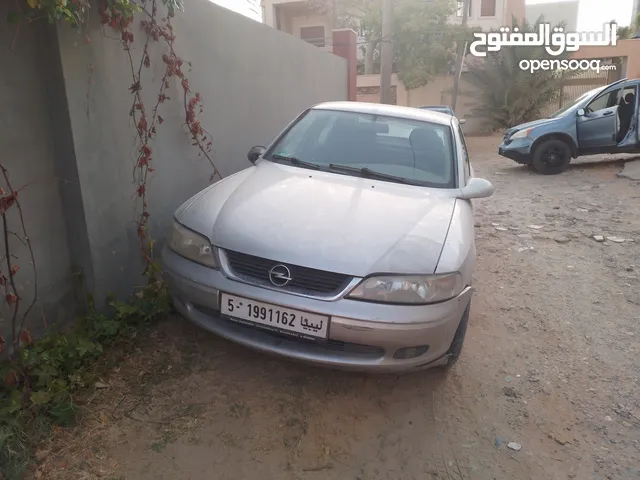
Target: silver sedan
(348, 243)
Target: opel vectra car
(603, 120)
(348, 243)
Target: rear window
(416, 150)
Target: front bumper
(518, 150)
(362, 335)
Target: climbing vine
(43, 374)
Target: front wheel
(551, 157)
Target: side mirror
(476, 188)
(580, 112)
(462, 121)
(255, 153)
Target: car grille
(326, 346)
(304, 280)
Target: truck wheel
(551, 157)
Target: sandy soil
(551, 361)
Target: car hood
(535, 123)
(326, 221)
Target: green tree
(424, 42)
(507, 95)
(625, 33)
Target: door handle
(610, 112)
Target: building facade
(555, 13)
(299, 19)
(490, 14)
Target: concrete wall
(253, 79)
(436, 92)
(27, 151)
(629, 50)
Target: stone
(616, 239)
(510, 392)
(502, 229)
(598, 238)
(514, 446)
(562, 239)
(536, 227)
(631, 170)
(525, 236)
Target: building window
(461, 7)
(313, 35)
(488, 8)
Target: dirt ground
(551, 361)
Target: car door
(597, 127)
(629, 140)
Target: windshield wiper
(366, 172)
(295, 161)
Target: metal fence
(581, 83)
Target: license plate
(274, 317)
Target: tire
(458, 339)
(551, 157)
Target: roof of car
(409, 113)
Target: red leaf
(134, 87)
(160, 119)
(11, 379)
(14, 270)
(185, 84)
(11, 298)
(25, 337)
(141, 190)
(142, 124)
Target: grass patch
(43, 381)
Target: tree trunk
(368, 58)
(460, 60)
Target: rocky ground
(547, 386)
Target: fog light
(410, 352)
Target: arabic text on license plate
(275, 317)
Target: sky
(592, 14)
(248, 8)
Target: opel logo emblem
(280, 275)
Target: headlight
(409, 289)
(191, 245)
(522, 133)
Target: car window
(413, 149)
(568, 107)
(603, 101)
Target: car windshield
(414, 151)
(564, 110)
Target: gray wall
(27, 150)
(253, 79)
